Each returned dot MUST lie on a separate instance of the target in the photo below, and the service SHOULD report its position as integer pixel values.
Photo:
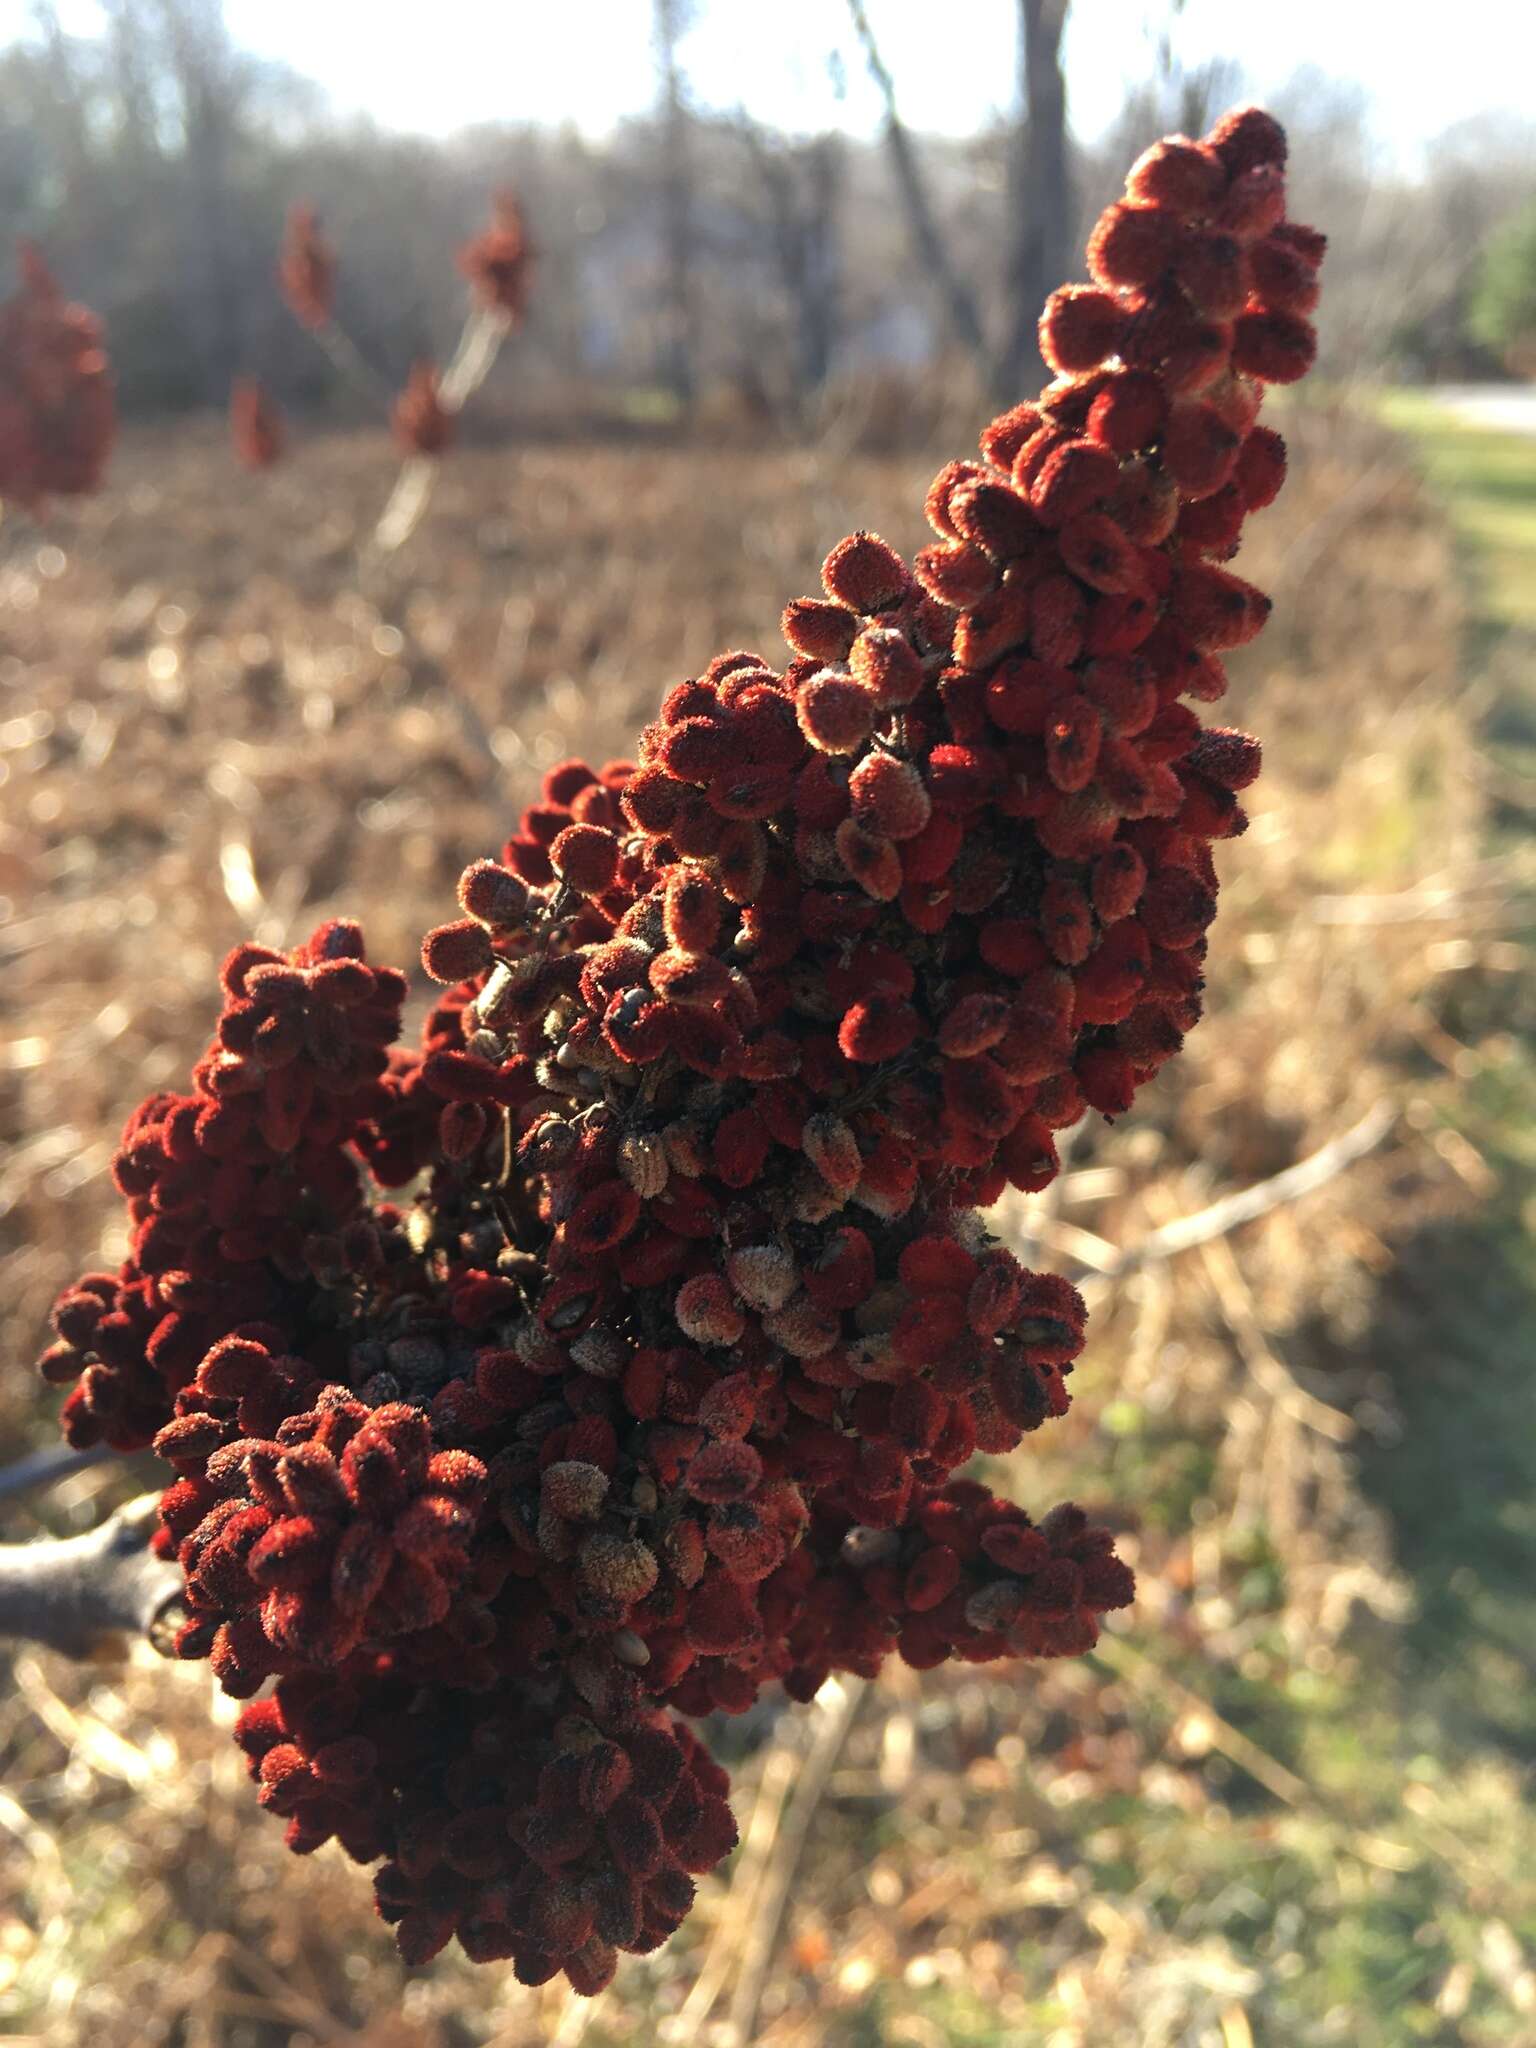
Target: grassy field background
(1287, 1802)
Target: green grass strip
(1487, 477)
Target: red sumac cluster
(58, 415)
(498, 266)
(654, 1390)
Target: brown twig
(1268, 1370)
(1246, 1205)
(774, 1786)
(772, 1894)
(83, 1594)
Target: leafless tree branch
(82, 1595)
(1040, 196)
(933, 252)
(486, 328)
(671, 22)
(1245, 1205)
(47, 1466)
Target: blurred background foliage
(155, 160)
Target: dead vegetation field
(1283, 1804)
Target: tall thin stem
(486, 328)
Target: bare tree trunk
(677, 354)
(207, 157)
(1041, 197)
(955, 294)
(205, 70)
(823, 262)
(132, 84)
(83, 1594)
(68, 123)
(803, 187)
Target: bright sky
(434, 68)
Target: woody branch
(81, 1594)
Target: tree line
(690, 251)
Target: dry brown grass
(211, 727)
